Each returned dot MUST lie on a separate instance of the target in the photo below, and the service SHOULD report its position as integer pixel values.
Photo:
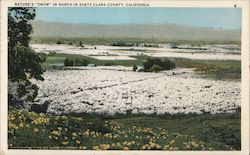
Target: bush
(221, 135)
(151, 45)
(155, 68)
(76, 62)
(80, 43)
(122, 44)
(168, 65)
(59, 42)
(84, 62)
(108, 64)
(135, 68)
(68, 62)
(161, 64)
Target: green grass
(89, 131)
(215, 69)
(59, 58)
(52, 60)
(110, 41)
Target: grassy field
(110, 41)
(130, 132)
(216, 69)
(59, 58)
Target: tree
(80, 43)
(68, 62)
(150, 62)
(135, 68)
(167, 64)
(84, 62)
(23, 63)
(164, 64)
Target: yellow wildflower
(78, 142)
(64, 117)
(172, 142)
(65, 143)
(96, 148)
(79, 118)
(55, 132)
(59, 128)
(104, 146)
(21, 125)
(35, 130)
(82, 147)
(41, 114)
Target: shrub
(161, 64)
(84, 62)
(68, 62)
(80, 43)
(122, 44)
(155, 68)
(135, 68)
(76, 62)
(151, 45)
(168, 65)
(40, 108)
(59, 42)
(108, 64)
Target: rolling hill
(155, 31)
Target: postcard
(124, 77)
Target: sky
(225, 18)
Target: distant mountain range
(157, 31)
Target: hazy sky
(227, 18)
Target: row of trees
(127, 44)
(59, 42)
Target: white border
(244, 4)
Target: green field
(216, 69)
(130, 132)
(124, 41)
